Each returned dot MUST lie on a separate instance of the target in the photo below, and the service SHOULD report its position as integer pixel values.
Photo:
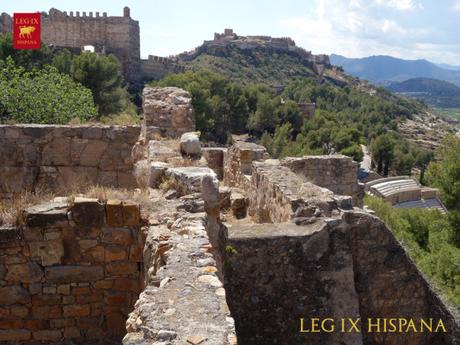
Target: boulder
(159, 151)
(190, 144)
(142, 173)
(157, 173)
(188, 179)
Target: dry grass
(168, 183)
(12, 208)
(179, 162)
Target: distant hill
(384, 69)
(435, 92)
(449, 67)
(261, 59)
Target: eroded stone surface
(181, 284)
(169, 109)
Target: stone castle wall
(333, 260)
(61, 157)
(71, 272)
(337, 172)
(156, 67)
(109, 34)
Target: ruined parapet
(336, 172)
(61, 157)
(238, 163)
(72, 273)
(169, 109)
(184, 299)
(277, 195)
(331, 271)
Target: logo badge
(26, 31)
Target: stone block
(239, 205)
(131, 213)
(120, 236)
(14, 294)
(73, 274)
(46, 300)
(50, 214)
(19, 311)
(158, 151)
(157, 173)
(24, 273)
(121, 268)
(14, 335)
(190, 144)
(9, 235)
(114, 209)
(87, 212)
(50, 252)
(188, 179)
(127, 284)
(76, 310)
(47, 335)
(114, 253)
(71, 333)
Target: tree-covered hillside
(437, 93)
(255, 66)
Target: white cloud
(357, 28)
(456, 5)
(400, 5)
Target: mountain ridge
(383, 69)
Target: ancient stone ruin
(118, 35)
(236, 248)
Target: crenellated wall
(109, 34)
(63, 157)
(71, 272)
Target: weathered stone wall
(238, 163)
(347, 268)
(277, 195)
(71, 272)
(334, 262)
(169, 110)
(336, 172)
(156, 67)
(184, 300)
(61, 157)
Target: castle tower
(126, 12)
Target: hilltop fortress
(120, 35)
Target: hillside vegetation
(437, 93)
(345, 118)
(254, 66)
(47, 86)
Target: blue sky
(409, 29)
